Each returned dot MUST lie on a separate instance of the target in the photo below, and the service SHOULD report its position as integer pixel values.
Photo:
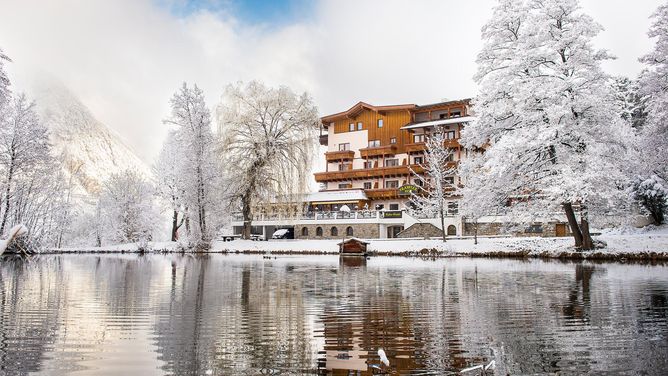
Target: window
(368, 164)
(453, 208)
(452, 230)
(345, 185)
(393, 140)
(304, 231)
(418, 160)
(449, 180)
(345, 166)
(359, 126)
(380, 206)
(334, 231)
(367, 185)
(344, 147)
(318, 231)
(351, 127)
(349, 231)
(380, 123)
(418, 138)
(455, 113)
(374, 143)
(394, 206)
(534, 229)
(392, 184)
(450, 135)
(450, 157)
(391, 162)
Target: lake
(291, 315)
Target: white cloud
(125, 58)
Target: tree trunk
(475, 232)
(443, 225)
(10, 176)
(246, 212)
(587, 241)
(175, 227)
(573, 223)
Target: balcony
(367, 173)
(314, 216)
(382, 194)
(415, 147)
(452, 143)
(341, 155)
(378, 151)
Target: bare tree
(437, 184)
(268, 139)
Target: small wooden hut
(353, 247)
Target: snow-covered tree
(437, 183)
(650, 174)
(552, 137)
(31, 181)
(479, 195)
(268, 140)
(127, 208)
(654, 85)
(196, 167)
(4, 80)
(170, 183)
(23, 147)
(652, 195)
(630, 103)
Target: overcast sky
(125, 58)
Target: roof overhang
(337, 197)
(433, 123)
(361, 106)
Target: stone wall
(495, 228)
(421, 230)
(360, 230)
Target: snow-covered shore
(648, 243)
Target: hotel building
(372, 158)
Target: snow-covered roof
(427, 124)
(332, 197)
(355, 240)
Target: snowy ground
(650, 242)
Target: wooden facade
(383, 139)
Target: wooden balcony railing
(378, 151)
(382, 194)
(367, 173)
(341, 155)
(415, 147)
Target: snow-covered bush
(126, 208)
(651, 193)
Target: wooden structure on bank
(353, 247)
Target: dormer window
(380, 123)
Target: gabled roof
(361, 106)
(424, 107)
(433, 123)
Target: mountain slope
(92, 152)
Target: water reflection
(226, 315)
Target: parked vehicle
(283, 233)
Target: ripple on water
(227, 315)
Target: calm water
(228, 315)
